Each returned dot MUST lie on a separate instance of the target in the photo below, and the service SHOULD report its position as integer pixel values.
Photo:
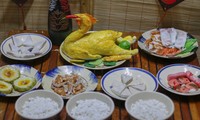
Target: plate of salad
(168, 43)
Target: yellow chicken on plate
(81, 45)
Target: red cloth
(167, 4)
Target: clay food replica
(11, 80)
(69, 84)
(99, 44)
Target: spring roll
(173, 34)
(165, 37)
(181, 39)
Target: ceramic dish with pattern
(69, 80)
(140, 78)
(192, 45)
(17, 79)
(100, 67)
(181, 79)
(26, 46)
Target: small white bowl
(72, 102)
(149, 96)
(39, 93)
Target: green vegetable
(96, 62)
(128, 38)
(190, 42)
(109, 63)
(87, 64)
(24, 84)
(125, 45)
(189, 49)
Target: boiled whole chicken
(81, 45)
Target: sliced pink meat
(176, 75)
(193, 78)
(183, 89)
(191, 85)
(173, 83)
(183, 80)
(188, 74)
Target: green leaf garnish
(112, 63)
(87, 64)
(96, 62)
(190, 42)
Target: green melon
(5, 88)
(9, 74)
(23, 84)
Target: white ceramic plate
(27, 71)
(62, 70)
(22, 37)
(115, 75)
(103, 67)
(147, 35)
(175, 68)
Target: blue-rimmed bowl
(147, 35)
(175, 68)
(21, 37)
(42, 94)
(115, 76)
(86, 74)
(72, 103)
(144, 96)
(28, 71)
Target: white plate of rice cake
(141, 80)
(26, 46)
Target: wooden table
(186, 108)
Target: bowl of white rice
(149, 106)
(90, 106)
(39, 105)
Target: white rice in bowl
(148, 105)
(90, 106)
(39, 107)
(151, 109)
(39, 104)
(90, 109)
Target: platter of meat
(68, 81)
(122, 82)
(26, 46)
(168, 43)
(96, 64)
(182, 79)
